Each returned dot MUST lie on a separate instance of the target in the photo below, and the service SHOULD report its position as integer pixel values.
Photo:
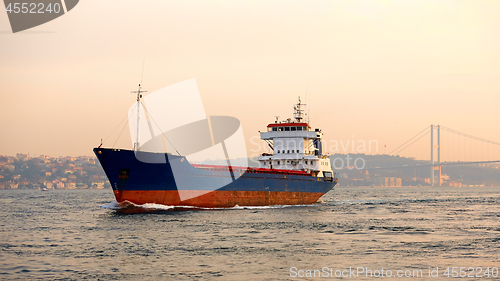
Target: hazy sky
(375, 70)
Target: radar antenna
(308, 100)
(298, 111)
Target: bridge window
(287, 128)
(299, 128)
(288, 151)
(304, 128)
(280, 129)
(293, 128)
(275, 129)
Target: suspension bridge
(461, 149)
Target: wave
(127, 204)
(129, 207)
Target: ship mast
(139, 96)
(297, 114)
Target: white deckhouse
(295, 146)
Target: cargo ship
(294, 171)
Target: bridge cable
(469, 136)
(412, 142)
(427, 128)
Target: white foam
(152, 206)
(266, 207)
(112, 205)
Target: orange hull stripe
(218, 199)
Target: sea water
(355, 233)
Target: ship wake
(129, 207)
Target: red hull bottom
(217, 199)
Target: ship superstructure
(295, 146)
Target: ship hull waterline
(140, 183)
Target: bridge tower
(436, 167)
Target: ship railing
(221, 168)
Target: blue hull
(139, 182)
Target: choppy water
(67, 235)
